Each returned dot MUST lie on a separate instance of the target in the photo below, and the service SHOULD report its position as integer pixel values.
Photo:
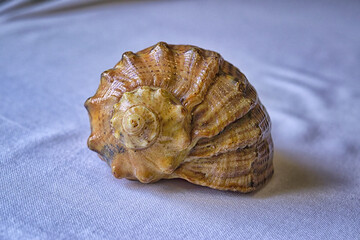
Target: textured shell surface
(179, 111)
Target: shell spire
(179, 111)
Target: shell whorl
(137, 127)
(178, 111)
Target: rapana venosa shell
(179, 111)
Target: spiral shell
(179, 111)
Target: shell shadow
(298, 173)
(293, 174)
(167, 186)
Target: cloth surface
(302, 57)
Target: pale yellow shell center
(137, 127)
(154, 127)
(132, 123)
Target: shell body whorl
(179, 111)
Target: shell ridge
(128, 65)
(163, 57)
(262, 167)
(226, 170)
(206, 120)
(196, 75)
(242, 133)
(185, 73)
(209, 72)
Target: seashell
(179, 111)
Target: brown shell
(179, 111)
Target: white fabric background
(303, 57)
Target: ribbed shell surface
(228, 144)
